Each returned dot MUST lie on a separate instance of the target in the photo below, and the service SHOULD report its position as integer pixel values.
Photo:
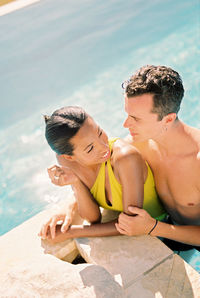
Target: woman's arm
(93, 230)
(87, 207)
(130, 168)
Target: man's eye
(90, 149)
(134, 118)
(100, 133)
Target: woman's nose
(103, 145)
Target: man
(152, 100)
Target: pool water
(57, 53)
(192, 257)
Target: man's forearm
(185, 234)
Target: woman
(102, 172)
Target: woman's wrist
(76, 182)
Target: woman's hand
(63, 216)
(61, 175)
(49, 227)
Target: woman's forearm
(87, 207)
(93, 230)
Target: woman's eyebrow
(87, 146)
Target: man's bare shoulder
(195, 134)
(145, 147)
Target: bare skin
(172, 150)
(81, 169)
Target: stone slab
(173, 278)
(119, 266)
(126, 258)
(28, 270)
(48, 276)
(23, 243)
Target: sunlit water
(57, 53)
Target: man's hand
(61, 175)
(140, 223)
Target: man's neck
(176, 140)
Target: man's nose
(126, 123)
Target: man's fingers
(123, 225)
(135, 210)
(125, 219)
(120, 230)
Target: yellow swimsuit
(151, 202)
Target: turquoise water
(192, 257)
(56, 53)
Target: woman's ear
(67, 157)
(63, 158)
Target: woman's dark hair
(163, 83)
(63, 125)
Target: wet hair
(163, 83)
(62, 126)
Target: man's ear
(170, 118)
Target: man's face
(141, 122)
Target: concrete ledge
(119, 267)
(172, 278)
(126, 258)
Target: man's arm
(142, 223)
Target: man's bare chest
(177, 181)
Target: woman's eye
(100, 133)
(90, 149)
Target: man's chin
(137, 138)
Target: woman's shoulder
(122, 149)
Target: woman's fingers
(66, 224)
(49, 228)
(57, 175)
(53, 226)
(43, 231)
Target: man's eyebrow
(87, 146)
(134, 117)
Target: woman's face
(90, 144)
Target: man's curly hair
(163, 83)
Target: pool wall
(118, 266)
